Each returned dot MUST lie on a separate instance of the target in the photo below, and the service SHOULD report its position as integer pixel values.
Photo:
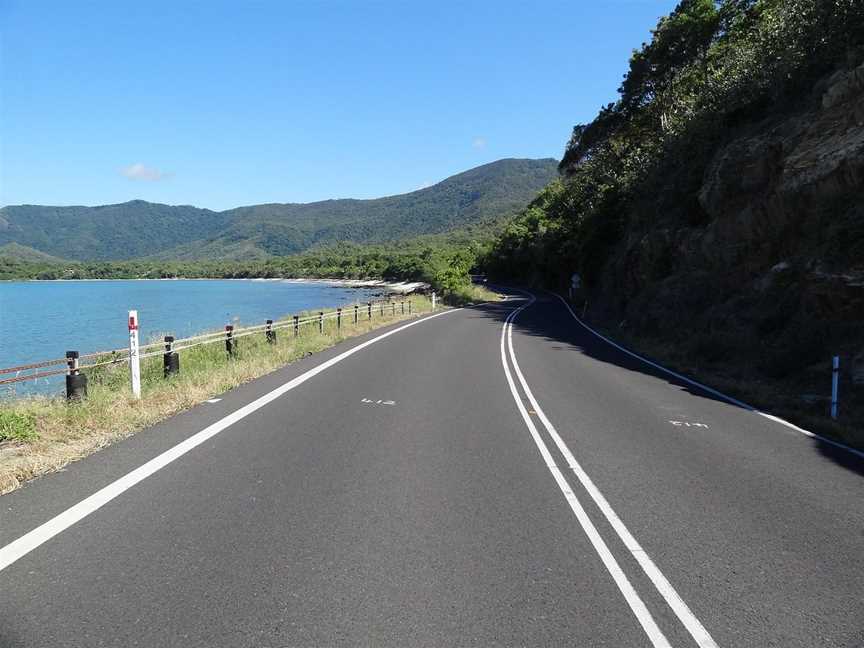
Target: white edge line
(658, 639)
(661, 583)
(711, 390)
(44, 532)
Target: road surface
(493, 476)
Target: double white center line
(663, 586)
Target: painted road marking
(711, 390)
(688, 424)
(213, 400)
(661, 583)
(637, 605)
(377, 402)
(59, 523)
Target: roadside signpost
(575, 284)
(134, 354)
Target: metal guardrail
(73, 364)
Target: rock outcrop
(775, 270)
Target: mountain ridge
(140, 229)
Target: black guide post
(229, 340)
(409, 306)
(320, 322)
(76, 382)
(356, 313)
(296, 325)
(370, 310)
(393, 308)
(170, 359)
(269, 333)
(338, 319)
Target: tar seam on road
(661, 583)
(710, 390)
(637, 605)
(59, 523)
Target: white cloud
(139, 171)
(479, 143)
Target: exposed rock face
(777, 273)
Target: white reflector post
(134, 357)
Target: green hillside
(139, 229)
(22, 253)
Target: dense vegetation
(139, 229)
(712, 66)
(443, 262)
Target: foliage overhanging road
(402, 497)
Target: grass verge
(39, 435)
(472, 294)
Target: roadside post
(369, 305)
(409, 306)
(320, 322)
(433, 300)
(170, 359)
(403, 307)
(393, 305)
(575, 285)
(229, 340)
(76, 382)
(269, 333)
(338, 319)
(134, 354)
(296, 325)
(356, 313)
(835, 386)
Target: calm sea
(41, 320)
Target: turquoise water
(42, 320)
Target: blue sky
(220, 104)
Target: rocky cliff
(772, 277)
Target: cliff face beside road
(776, 273)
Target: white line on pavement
(711, 390)
(41, 534)
(661, 583)
(658, 639)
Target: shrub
(17, 426)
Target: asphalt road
(412, 492)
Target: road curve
(494, 476)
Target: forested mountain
(140, 229)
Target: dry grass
(473, 294)
(68, 432)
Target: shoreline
(402, 287)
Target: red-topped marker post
(134, 354)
